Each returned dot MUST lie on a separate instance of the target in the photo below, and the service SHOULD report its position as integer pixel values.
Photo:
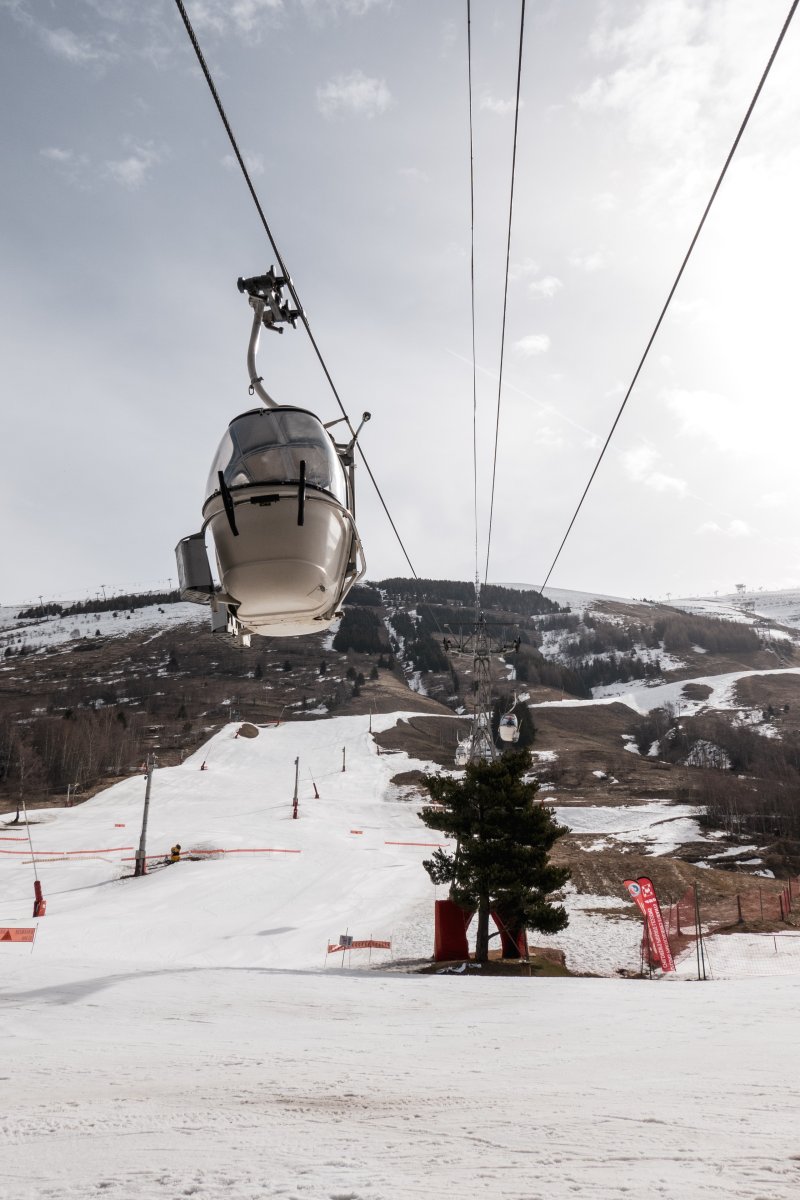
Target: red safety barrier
(17, 933)
(451, 923)
(364, 944)
(450, 931)
(206, 853)
(356, 830)
(67, 853)
(248, 850)
(13, 839)
(150, 857)
(60, 858)
(435, 845)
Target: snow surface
(55, 631)
(245, 1084)
(661, 826)
(781, 606)
(643, 698)
(579, 602)
(751, 955)
(185, 1034)
(242, 803)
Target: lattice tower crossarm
(482, 747)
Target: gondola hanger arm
(270, 310)
(252, 348)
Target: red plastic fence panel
(450, 931)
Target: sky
(124, 225)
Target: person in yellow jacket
(175, 853)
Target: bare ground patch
(427, 737)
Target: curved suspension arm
(255, 333)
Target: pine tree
(503, 838)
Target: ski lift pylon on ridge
(280, 508)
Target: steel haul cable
(472, 302)
(284, 270)
(677, 280)
(505, 288)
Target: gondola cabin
(279, 509)
(509, 728)
(463, 752)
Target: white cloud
(547, 436)
(131, 172)
(493, 104)
(523, 267)
(666, 71)
(639, 465)
(773, 500)
(546, 287)
(253, 162)
(726, 423)
(588, 262)
(81, 50)
(76, 168)
(56, 154)
(694, 310)
(677, 75)
(247, 14)
(734, 529)
(534, 343)
(243, 16)
(355, 93)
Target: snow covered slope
(568, 597)
(783, 606)
(57, 630)
(178, 1035)
(345, 866)
(643, 698)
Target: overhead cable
(283, 268)
(678, 277)
(472, 298)
(505, 289)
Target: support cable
(472, 298)
(505, 289)
(678, 277)
(283, 268)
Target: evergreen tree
(503, 838)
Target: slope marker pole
(140, 867)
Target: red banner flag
(644, 894)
